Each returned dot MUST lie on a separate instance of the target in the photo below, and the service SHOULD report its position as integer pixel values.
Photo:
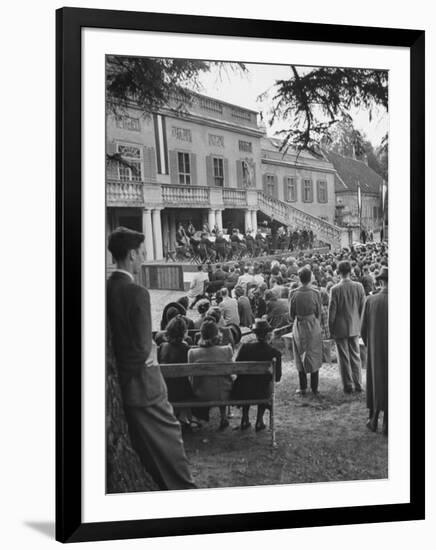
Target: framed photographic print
(231, 197)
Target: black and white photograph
(247, 266)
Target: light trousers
(349, 362)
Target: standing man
(375, 336)
(346, 305)
(155, 433)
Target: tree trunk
(125, 472)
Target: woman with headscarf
(305, 314)
(211, 388)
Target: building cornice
(212, 122)
(299, 166)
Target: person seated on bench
(175, 350)
(229, 334)
(184, 301)
(211, 388)
(170, 311)
(249, 386)
(202, 308)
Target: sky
(243, 89)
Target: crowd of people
(224, 245)
(336, 296)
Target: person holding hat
(374, 334)
(249, 386)
(305, 314)
(211, 388)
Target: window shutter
(318, 191)
(193, 162)
(149, 172)
(276, 187)
(226, 173)
(239, 174)
(209, 171)
(285, 189)
(264, 183)
(174, 171)
(111, 148)
(303, 198)
(311, 190)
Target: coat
(277, 313)
(375, 337)
(305, 314)
(129, 314)
(246, 317)
(347, 300)
(211, 388)
(256, 386)
(179, 389)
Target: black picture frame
(69, 23)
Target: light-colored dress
(305, 314)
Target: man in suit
(347, 301)
(154, 431)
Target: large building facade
(209, 161)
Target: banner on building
(160, 136)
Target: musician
(249, 239)
(181, 236)
(238, 246)
(261, 244)
(191, 229)
(206, 248)
(221, 246)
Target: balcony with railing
(185, 195)
(124, 193)
(234, 197)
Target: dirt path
(319, 439)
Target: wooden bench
(179, 370)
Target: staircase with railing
(290, 215)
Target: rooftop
(352, 172)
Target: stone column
(211, 218)
(172, 227)
(157, 234)
(166, 231)
(254, 220)
(148, 232)
(219, 219)
(247, 224)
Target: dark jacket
(256, 386)
(179, 389)
(128, 309)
